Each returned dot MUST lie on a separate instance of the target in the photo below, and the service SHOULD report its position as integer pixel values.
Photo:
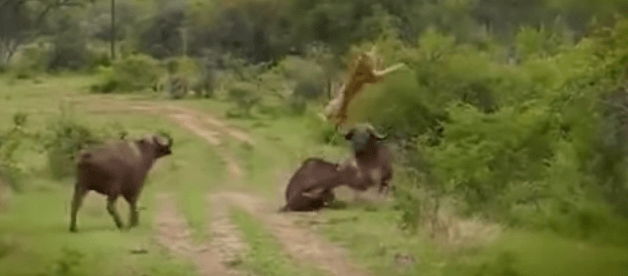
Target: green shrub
(534, 142)
(68, 52)
(99, 59)
(245, 97)
(321, 130)
(10, 141)
(132, 73)
(65, 137)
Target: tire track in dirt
(226, 237)
(301, 243)
(173, 234)
(225, 248)
(215, 123)
(226, 240)
(192, 123)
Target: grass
(34, 228)
(36, 223)
(374, 240)
(265, 256)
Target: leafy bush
(245, 97)
(10, 141)
(31, 61)
(68, 52)
(132, 73)
(65, 137)
(99, 59)
(485, 156)
(530, 142)
(320, 130)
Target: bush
(132, 73)
(178, 86)
(245, 97)
(99, 59)
(10, 142)
(68, 52)
(321, 130)
(65, 137)
(30, 62)
(535, 142)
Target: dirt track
(173, 233)
(227, 246)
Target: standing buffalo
(311, 187)
(117, 168)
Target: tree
(19, 19)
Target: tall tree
(19, 19)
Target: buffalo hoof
(73, 229)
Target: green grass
(536, 253)
(34, 228)
(36, 224)
(374, 239)
(265, 256)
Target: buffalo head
(161, 146)
(363, 136)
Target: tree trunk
(113, 29)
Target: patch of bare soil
(226, 244)
(215, 123)
(190, 123)
(300, 242)
(193, 121)
(226, 238)
(173, 234)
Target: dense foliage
(534, 141)
(512, 110)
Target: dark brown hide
(117, 168)
(312, 184)
(306, 190)
(371, 162)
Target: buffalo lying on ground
(311, 187)
(117, 168)
(305, 179)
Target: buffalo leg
(328, 197)
(384, 188)
(111, 208)
(77, 200)
(133, 211)
(134, 216)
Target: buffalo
(311, 172)
(311, 187)
(117, 168)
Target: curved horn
(375, 133)
(159, 140)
